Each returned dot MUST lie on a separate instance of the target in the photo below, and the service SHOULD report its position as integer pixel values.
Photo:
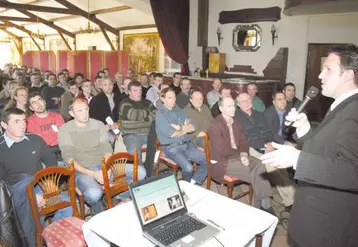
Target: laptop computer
(163, 215)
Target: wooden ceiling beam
(65, 41)
(108, 39)
(95, 12)
(29, 7)
(12, 18)
(47, 23)
(137, 27)
(92, 17)
(23, 29)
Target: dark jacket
(10, 227)
(325, 208)
(255, 128)
(273, 121)
(220, 145)
(99, 107)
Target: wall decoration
(143, 51)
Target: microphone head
(312, 92)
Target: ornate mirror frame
(246, 28)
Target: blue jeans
(23, 208)
(92, 191)
(184, 155)
(133, 141)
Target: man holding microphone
(325, 208)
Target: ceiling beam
(47, 23)
(16, 39)
(9, 33)
(95, 12)
(65, 41)
(19, 6)
(108, 39)
(35, 42)
(12, 18)
(92, 17)
(23, 29)
(137, 27)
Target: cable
(219, 241)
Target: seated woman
(19, 100)
(172, 126)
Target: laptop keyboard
(177, 230)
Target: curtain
(172, 20)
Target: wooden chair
(65, 232)
(117, 164)
(229, 180)
(258, 242)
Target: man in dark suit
(275, 118)
(325, 208)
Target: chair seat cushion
(65, 233)
(230, 178)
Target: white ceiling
(139, 14)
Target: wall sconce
(273, 34)
(219, 34)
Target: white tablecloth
(241, 222)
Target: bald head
(227, 107)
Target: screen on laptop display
(157, 199)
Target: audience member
(36, 84)
(62, 81)
(173, 127)
(153, 92)
(131, 74)
(22, 155)
(214, 95)
(224, 92)
(100, 74)
(144, 81)
(229, 148)
(97, 86)
(45, 124)
(200, 115)
(289, 90)
(257, 103)
(118, 83)
(66, 99)
(79, 77)
(86, 90)
(275, 116)
(19, 100)
(136, 116)
(52, 94)
(176, 83)
(183, 97)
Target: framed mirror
(246, 38)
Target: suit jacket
(273, 121)
(220, 145)
(99, 107)
(325, 209)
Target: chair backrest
(50, 180)
(116, 164)
(207, 153)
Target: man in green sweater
(85, 141)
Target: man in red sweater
(44, 123)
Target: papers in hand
(110, 122)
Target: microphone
(311, 93)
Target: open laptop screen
(157, 199)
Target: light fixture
(219, 34)
(273, 34)
(88, 29)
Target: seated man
(52, 94)
(36, 84)
(289, 89)
(86, 91)
(230, 149)
(176, 83)
(153, 92)
(214, 96)
(172, 126)
(275, 116)
(44, 123)
(183, 97)
(260, 136)
(84, 140)
(97, 86)
(104, 105)
(257, 103)
(21, 156)
(136, 115)
(144, 80)
(223, 93)
(200, 116)
(67, 98)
